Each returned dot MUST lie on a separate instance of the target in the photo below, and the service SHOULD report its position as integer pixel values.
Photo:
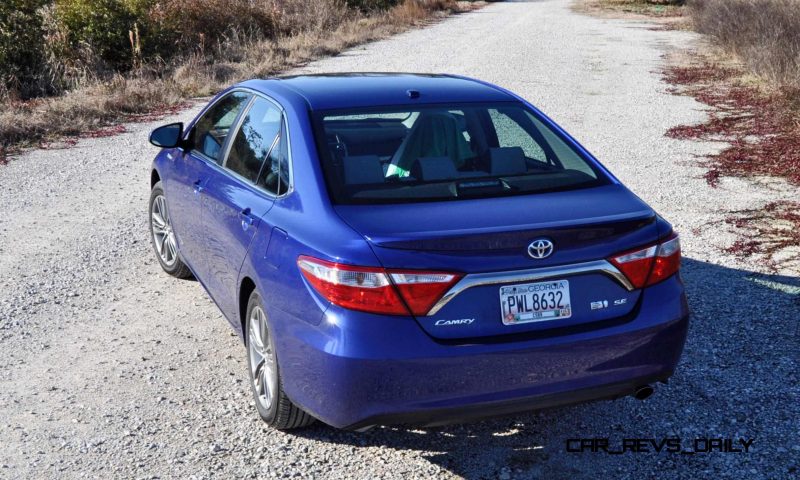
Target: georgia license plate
(535, 302)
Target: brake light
(421, 290)
(376, 290)
(650, 265)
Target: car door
(237, 197)
(191, 172)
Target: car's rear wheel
(272, 404)
(163, 237)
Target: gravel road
(111, 369)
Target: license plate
(535, 302)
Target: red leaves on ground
(66, 142)
(763, 133)
(692, 74)
(105, 132)
(770, 230)
(763, 130)
(160, 112)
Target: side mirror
(167, 136)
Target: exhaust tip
(642, 392)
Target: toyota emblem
(540, 248)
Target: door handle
(198, 187)
(246, 218)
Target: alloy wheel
(163, 236)
(262, 358)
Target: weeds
(764, 34)
(773, 233)
(652, 8)
(761, 126)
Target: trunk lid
(482, 237)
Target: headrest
(434, 168)
(507, 161)
(362, 169)
(211, 146)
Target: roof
(354, 90)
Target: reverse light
(376, 290)
(649, 265)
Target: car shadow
(737, 378)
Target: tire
(266, 383)
(162, 237)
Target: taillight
(357, 288)
(376, 290)
(650, 265)
(668, 260)
(421, 290)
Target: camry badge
(540, 248)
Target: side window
(212, 129)
(511, 134)
(254, 140)
(275, 176)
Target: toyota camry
(414, 249)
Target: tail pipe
(642, 392)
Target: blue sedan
(414, 249)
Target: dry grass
(633, 8)
(247, 58)
(158, 89)
(665, 15)
(764, 34)
(85, 108)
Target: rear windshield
(445, 152)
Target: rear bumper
(478, 411)
(355, 370)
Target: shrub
(198, 24)
(765, 34)
(21, 47)
(103, 25)
(368, 5)
(124, 32)
(296, 16)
